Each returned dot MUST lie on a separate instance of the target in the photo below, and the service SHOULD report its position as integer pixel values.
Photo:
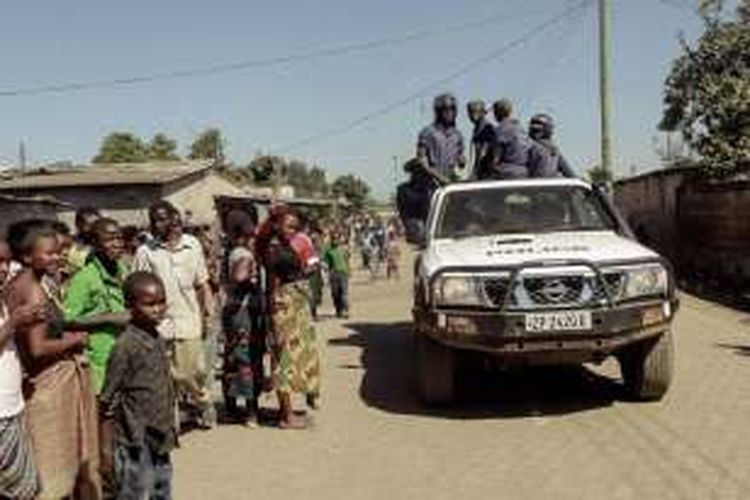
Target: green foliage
(121, 147)
(353, 189)
(163, 148)
(598, 175)
(307, 181)
(209, 145)
(317, 181)
(707, 95)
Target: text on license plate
(558, 321)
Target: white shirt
(11, 397)
(182, 269)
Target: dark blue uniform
(509, 158)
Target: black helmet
(476, 105)
(502, 108)
(444, 101)
(542, 126)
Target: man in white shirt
(177, 258)
(18, 474)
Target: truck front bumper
(504, 333)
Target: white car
(539, 271)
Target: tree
(163, 148)
(599, 175)
(306, 181)
(707, 97)
(121, 147)
(353, 189)
(317, 181)
(261, 168)
(295, 175)
(209, 145)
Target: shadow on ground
(388, 360)
(739, 349)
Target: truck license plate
(558, 321)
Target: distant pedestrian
(317, 281)
(393, 256)
(139, 395)
(336, 257)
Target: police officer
(440, 146)
(413, 199)
(509, 155)
(483, 135)
(547, 160)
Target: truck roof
(477, 185)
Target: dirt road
(546, 434)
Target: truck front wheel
(436, 369)
(647, 368)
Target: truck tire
(647, 368)
(436, 367)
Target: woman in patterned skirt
(293, 339)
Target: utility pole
(605, 84)
(395, 176)
(22, 155)
(276, 172)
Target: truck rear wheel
(436, 368)
(647, 368)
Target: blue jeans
(142, 474)
(340, 292)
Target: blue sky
(52, 41)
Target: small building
(18, 208)
(125, 191)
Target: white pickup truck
(539, 271)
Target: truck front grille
(566, 290)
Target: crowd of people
(104, 339)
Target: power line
(264, 63)
(682, 5)
(460, 72)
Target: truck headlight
(647, 280)
(459, 290)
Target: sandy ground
(546, 434)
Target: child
(139, 396)
(336, 258)
(244, 327)
(393, 255)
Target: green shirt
(336, 258)
(93, 291)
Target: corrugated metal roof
(104, 175)
(41, 200)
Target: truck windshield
(529, 209)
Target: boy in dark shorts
(138, 394)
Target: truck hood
(510, 250)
